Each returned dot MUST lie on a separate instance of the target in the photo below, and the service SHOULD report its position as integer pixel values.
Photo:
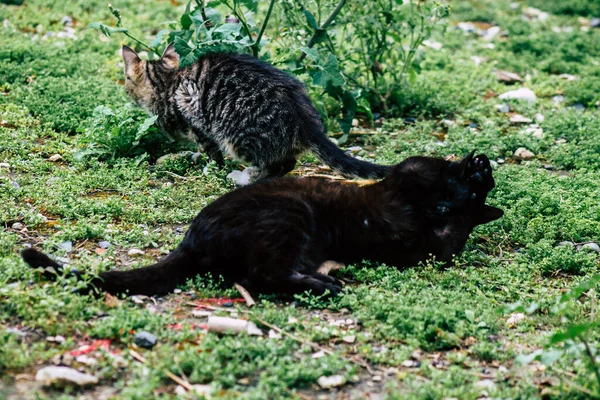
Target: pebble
(448, 123)
(595, 23)
(328, 382)
(135, 252)
(535, 131)
(17, 226)
(523, 154)
(410, 364)
(55, 157)
(4, 165)
(519, 119)
(591, 247)
(514, 319)
(539, 118)
(227, 304)
(64, 376)
(558, 99)
(503, 108)
(177, 291)
(66, 21)
(549, 167)
(145, 339)
(67, 246)
(179, 230)
(501, 161)
(349, 339)
(377, 378)
(508, 77)
(519, 94)
(104, 244)
(55, 339)
(566, 244)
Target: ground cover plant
(515, 316)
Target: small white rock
(539, 118)
(135, 252)
(17, 226)
(318, 354)
(523, 154)
(525, 94)
(376, 378)
(63, 376)
(349, 339)
(177, 291)
(514, 319)
(519, 119)
(55, 158)
(591, 247)
(328, 382)
(4, 165)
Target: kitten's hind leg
(281, 168)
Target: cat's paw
(241, 178)
(479, 174)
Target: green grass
(455, 317)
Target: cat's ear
(131, 60)
(488, 214)
(170, 58)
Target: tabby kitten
(240, 106)
(272, 236)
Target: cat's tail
(330, 154)
(327, 151)
(156, 279)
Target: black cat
(272, 236)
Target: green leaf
(187, 55)
(148, 122)
(580, 289)
(158, 39)
(312, 54)
(470, 314)
(310, 19)
(524, 359)
(572, 332)
(229, 30)
(549, 357)
(185, 21)
(328, 73)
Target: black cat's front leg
(467, 185)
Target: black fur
(273, 235)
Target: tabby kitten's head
(144, 78)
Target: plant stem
(139, 41)
(323, 27)
(592, 359)
(200, 4)
(255, 46)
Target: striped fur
(239, 106)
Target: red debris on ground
(88, 348)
